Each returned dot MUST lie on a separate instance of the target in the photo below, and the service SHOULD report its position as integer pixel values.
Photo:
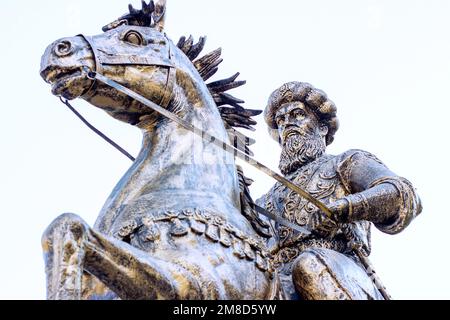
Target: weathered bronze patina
(181, 224)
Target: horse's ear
(159, 15)
(114, 24)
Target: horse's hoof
(67, 222)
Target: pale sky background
(386, 65)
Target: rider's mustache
(294, 130)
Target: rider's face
(295, 118)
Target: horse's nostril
(63, 48)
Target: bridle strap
(171, 72)
(98, 67)
(171, 78)
(98, 64)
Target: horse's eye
(135, 38)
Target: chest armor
(322, 180)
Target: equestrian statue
(181, 224)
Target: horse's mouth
(66, 82)
(54, 75)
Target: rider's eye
(135, 38)
(279, 121)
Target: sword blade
(282, 221)
(218, 142)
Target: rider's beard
(300, 148)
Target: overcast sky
(385, 64)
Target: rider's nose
(63, 48)
(287, 121)
(290, 118)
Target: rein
(101, 134)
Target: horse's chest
(192, 230)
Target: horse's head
(135, 52)
(132, 51)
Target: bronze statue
(357, 188)
(181, 224)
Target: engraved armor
(358, 189)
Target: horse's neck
(176, 169)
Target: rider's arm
(376, 194)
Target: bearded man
(358, 188)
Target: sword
(207, 137)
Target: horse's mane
(233, 114)
(231, 110)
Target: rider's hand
(340, 210)
(326, 227)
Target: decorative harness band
(102, 58)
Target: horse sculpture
(176, 225)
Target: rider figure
(358, 188)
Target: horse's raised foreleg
(71, 247)
(62, 243)
(134, 274)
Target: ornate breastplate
(321, 180)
